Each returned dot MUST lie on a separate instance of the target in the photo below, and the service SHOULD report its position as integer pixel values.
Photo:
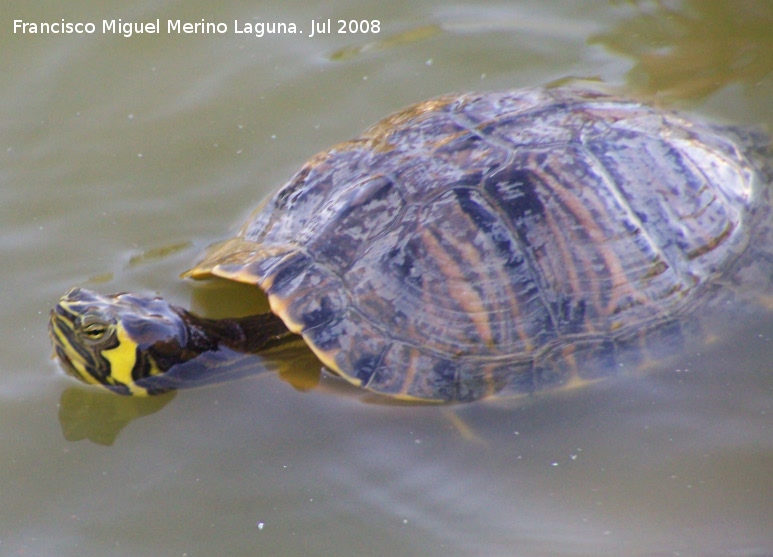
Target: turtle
(472, 245)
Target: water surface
(122, 158)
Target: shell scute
(355, 220)
(350, 344)
(305, 294)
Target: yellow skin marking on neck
(74, 357)
(122, 359)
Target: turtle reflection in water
(468, 246)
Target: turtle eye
(93, 328)
(95, 331)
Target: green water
(122, 158)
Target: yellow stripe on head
(73, 358)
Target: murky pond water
(122, 157)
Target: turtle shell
(498, 242)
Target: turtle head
(118, 341)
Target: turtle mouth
(67, 349)
(78, 332)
